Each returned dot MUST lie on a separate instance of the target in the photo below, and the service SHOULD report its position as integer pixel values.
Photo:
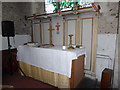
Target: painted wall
(108, 49)
(57, 38)
(14, 41)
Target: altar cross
(50, 29)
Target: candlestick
(70, 45)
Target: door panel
(45, 33)
(37, 33)
(87, 40)
(71, 30)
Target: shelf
(63, 13)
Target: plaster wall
(108, 50)
(14, 41)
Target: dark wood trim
(5, 61)
(72, 75)
(77, 71)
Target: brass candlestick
(70, 45)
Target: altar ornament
(58, 8)
(70, 45)
(75, 8)
(96, 7)
(78, 46)
(34, 16)
(59, 12)
(57, 28)
(33, 44)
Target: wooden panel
(94, 44)
(106, 78)
(71, 30)
(77, 72)
(41, 32)
(6, 63)
(66, 33)
(78, 32)
(45, 33)
(37, 33)
(87, 41)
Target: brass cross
(50, 29)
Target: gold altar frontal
(55, 79)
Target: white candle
(63, 47)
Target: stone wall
(16, 11)
(108, 24)
(108, 18)
(38, 8)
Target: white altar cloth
(53, 59)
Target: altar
(58, 67)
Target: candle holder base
(71, 48)
(51, 45)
